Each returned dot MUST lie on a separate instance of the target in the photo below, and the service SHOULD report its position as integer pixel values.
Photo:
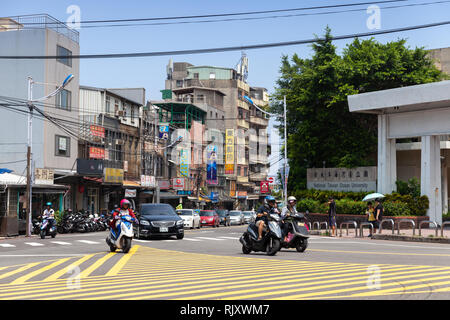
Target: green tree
(320, 126)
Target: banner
(184, 162)
(211, 166)
(229, 151)
(178, 183)
(113, 175)
(130, 193)
(97, 131)
(264, 187)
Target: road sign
(271, 180)
(264, 187)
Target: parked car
(209, 218)
(248, 216)
(236, 217)
(158, 219)
(190, 218)
(224, 216)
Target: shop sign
(164, 184)
(264, 187)
(164, 131)
(96, 153)
(113, 175)
(184, 192)
(229, 151)
(97, 131)
(147, 181)
(178, 183)
(130, 193)
(44, 175)
(90, 167)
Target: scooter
(270, 242)
(298, 234)
(47, 230)
(121, 239)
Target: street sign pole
(285, 154)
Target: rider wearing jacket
(287, 211)
(125, 209)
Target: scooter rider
(125, 209)
(49, 214)
(261, 220)
(288, 210)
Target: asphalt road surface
(209, 264)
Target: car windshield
(235, 213)
(157, 210)
(247, 213)
(207, 213)
(184, 212)
(222, 212)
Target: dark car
(158, 219)
(209, 218)
(224, 216)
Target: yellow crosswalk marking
(384, 253)
(62, 272)
(39, 271)
(13, 272)
(96, 265)
(122, 262)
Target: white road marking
(205, 238)
(88, 241)
(232, 238)
(6, 245)
(189, 239)
(138, 240)
(62, 243)
(34, 244)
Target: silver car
(236, 217)
(248, 216)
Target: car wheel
(136, 234)
(180, 236)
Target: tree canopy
(320, 126)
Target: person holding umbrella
(378, 212)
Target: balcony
(257, 176)
(242, 104)
(244, 86)
(243, 123)
(259, 121)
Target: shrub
(348, 206)
(313, 206)
(396, 208)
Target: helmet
(291, 198)
(270, 198)
(124, 202)
(48, 204)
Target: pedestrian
(378, 214)
(332, 215)
(370, 215)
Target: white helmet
(291, 198)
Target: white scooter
(122, 238)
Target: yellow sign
(113, 175)
(229, 151)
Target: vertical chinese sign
(184, 162)
(229, 151)
(211, 166)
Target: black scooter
(298, 233)
(270, 242)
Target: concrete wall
(442, 58)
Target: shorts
(257, 223)
(375, 224)
(332, 221)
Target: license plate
(301, 224)
(203, 221)
(162, 229)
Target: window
(61, 51)
(200, 98)
(108, 104)
(179, 83)
(245, 171)
(216, 115)
(62, 146)
(132, 114)
(196, 75)
(64, 99)
(212, 75)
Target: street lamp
(30, 105)
(285, 140)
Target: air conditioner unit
(119, 141)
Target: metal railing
(326, 226)
(347, 224)
(406, 220)
(361, 233)
(427, 221)
(387, 220)
(442, 227)
(314, 225)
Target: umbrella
(373, 196)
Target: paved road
(209, 264)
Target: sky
(264, 64)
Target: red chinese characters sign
(264, 186)
(96, 153)
(97, 131)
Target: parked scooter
(270, 242)
(298, 233)
(46, 229)
(121, 238)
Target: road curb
(410, 238)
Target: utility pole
(285, 154)
(156, 196)
(29, 142)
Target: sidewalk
(427, 235)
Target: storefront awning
(131, 183)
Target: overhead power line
(223, 14)
(227, 49)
